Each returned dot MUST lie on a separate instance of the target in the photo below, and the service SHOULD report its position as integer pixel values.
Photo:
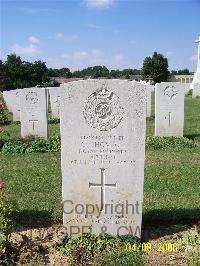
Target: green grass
(171, 189)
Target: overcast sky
(117, 34)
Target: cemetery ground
(171, 193)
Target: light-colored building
(182, 78)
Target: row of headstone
(30, 106)
(103, 129)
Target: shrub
(173, 143)
(52, 120)
(190, 246)
(7, 206)
(99, 250)
(4, 120)
(29, 145)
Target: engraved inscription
(32, 97)
(170, 92)
(102, 110)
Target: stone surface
(11, 99)
(197, 74)
(196, 90)
(102, 156)
(55, 93)
(7, 95)
(169, 109)
(34, 114)
(149, 89)
(15, 103)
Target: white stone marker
(55, 93)
(12, 101)
(15, 103)
(34, 115)
(7, 95)
(149, 88)
(102, 156)
(196, 78)
(196, 90)
(169, 109)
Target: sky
(118, 34)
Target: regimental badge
(171, 92)
(102, 110)
(32, 97)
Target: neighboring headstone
(102, 156)
(16, 104)
(169, 109)
(12, 102)
(55, 94)
(34, 114)
(186, 87)
(196, 78)
(196, 90)
(7, 96)
(149, 89)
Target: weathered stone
(196, 90)
(55, 93)
(34, 115)
(102, 156)
(169, 109)
(149, 89)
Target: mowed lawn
(172, 178)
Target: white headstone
(196, 78)
(196, 90)
(169, 109)
(15, 102)
(55, 94)
(34, 114)
(149, 89)
(102, 156)
(7, 96)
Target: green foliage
(4, 118)
(63, 72)
(189, 93)
(95, 72)
(99, 250)
(155, 68)
(15, 73)
(52, 120)
(7, 206)
(37, 145)
(173, 143)
(190, 245)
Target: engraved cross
(169, 119)
(33, 123)
(102, 185)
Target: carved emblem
(31, 97)
(171, 92)
(102, 110)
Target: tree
(155, 68)
(184, 72)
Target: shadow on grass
(34, 218)
(192, 136)
(171, 216)
(159, 223)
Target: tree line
(15, 73)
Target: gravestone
(15, 103)
(149, 89)
(55, 93)
(102, 156)
(34, 114)
(7, 95)
(169, 109)
(196, 90)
